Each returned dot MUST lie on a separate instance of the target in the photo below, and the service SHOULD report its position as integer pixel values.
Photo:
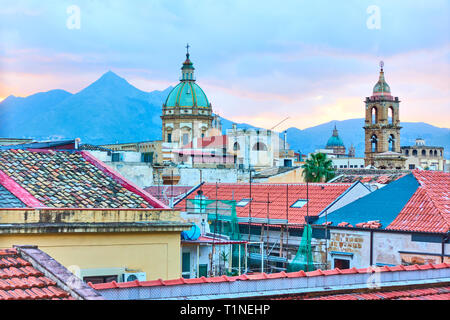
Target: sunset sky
(258, 61)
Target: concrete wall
(354, 246)
(139, 173)
(191, 176)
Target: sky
(259, 62)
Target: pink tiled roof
(280, 196)
(428, 210)
(61, 179)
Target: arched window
(435, 153)
(374, 113)
(391, 141)
(374, 143)
(259, 146)
(414, 153)
(236, 147)
(424, 153)
(391, 115)
(407, 152)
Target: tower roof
(335, 140)
(187, 93)
(381, 88)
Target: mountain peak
(112, 83)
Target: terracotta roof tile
(20, 281)
(320, 196)
(428, 210)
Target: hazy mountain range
(111, 110)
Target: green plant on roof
(318, 168)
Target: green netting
(222, 219)
(303, 259)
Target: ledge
(35, 228)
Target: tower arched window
(374, 143)
(374, 115)
(391, 115)
(259, 146)
(391, 143)
(414, 153)
(424, 153)
(236, 146)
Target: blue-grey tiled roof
(8, 200)
(383, 204)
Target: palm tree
(318, 168)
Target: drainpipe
(371, 247)
(444, 239)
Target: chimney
(77, 143)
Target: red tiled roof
(428, 210)
(320, 196)
(262, 276)
(433, 293)
(61, 179)
(19, 280)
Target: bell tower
(382, 127)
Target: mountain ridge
(111, 110)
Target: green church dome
(335, 140)
(187, 93)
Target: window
(299, 203)
(374, 142)
(391, 142)
(147, 157)
(100, 279)
(259, 146)
(414, 153)
(185, 138)
(412, 166)
(236, 146)
(186, 264)
(169, 137)
(342, 263)
(391, 115)
(287, 162)
(243, 202)
(115, 157)
(374, 112)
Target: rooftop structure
(417, 202)
(278, 285)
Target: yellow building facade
(101, 243)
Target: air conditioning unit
(127, 277)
